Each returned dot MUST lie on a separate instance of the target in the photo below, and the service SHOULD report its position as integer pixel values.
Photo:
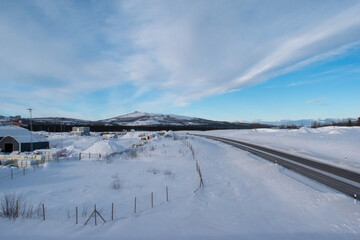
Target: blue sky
(222, 60)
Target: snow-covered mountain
(150, 119)
(142, 119)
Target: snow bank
(131, 135)
(104, 147)
(334, 145)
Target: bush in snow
(169, 174)
(153, 170)
(14, 205)
(85, 210)
(68, 213)
(116, 182)
(132, 154)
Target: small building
(19, 139)
(80, 131)
(146, 136)
(106, 136)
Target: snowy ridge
(141, 119)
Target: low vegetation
(116, 185)
(13, 206)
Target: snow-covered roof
(22, 135)
(27, 138)
(13, 131)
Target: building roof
(27, 138)
(13, 131)
(22, 135)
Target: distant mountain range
(142, 119)
(306, 122)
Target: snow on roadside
(334, 145)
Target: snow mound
(169, 133)
(131, 135)
(265, 130)
(104, 147)
(304, 130)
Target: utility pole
(31, 141)
(61, 129)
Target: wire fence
(11, 173)
(86, 214)
(90, 156)
(22, 168)
(16, 168)
(115, 211)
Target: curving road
(343, 180)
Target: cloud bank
(58, 53)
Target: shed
(20, 139)
(80, 131)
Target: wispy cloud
(315, 100)
(57, 51)
(299, 83)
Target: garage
(20, 139)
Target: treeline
(290, 126)
(343, 123)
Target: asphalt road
(343, 180)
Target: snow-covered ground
(339, 146)
(244, 197)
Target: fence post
(43, 211)
(79, 156)
(12, 175)
(152, 199)
(89, 156)
(167, 194)
(95, 214)
(135, 206)
(77, 215)
(355, 197)
(112, 211)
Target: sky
(239, 60)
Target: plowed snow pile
(104, 147)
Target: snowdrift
(104, 147)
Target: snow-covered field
(339, 146)
(244, 196)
